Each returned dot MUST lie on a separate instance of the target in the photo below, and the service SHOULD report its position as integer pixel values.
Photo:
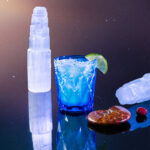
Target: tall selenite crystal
(39, 53)
(136, 91)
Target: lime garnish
(102, 64)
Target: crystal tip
(40, 11)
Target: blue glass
(40, 120)
(73, 133)
(75, 80)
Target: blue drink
(75, 80)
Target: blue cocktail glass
(75, 80)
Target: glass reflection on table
(40, 120)
(73, 133)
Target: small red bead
(141, 111)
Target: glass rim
(71, 56)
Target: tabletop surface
(119, 30)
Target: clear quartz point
(135, 91)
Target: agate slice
(114, 116)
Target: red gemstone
(141, 111)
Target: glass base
(76, 109)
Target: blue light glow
(134, 120)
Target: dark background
(118, 29)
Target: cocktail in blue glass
(75, 80)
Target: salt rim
(71, 61)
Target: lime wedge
(102, 64)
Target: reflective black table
(117, 29)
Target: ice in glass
(75, 80)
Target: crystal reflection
(40, 120)
(73, 133)
(137, 121)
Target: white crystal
(135, 91)
(40, 120)
(39, 53)
(42, 141)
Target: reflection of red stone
(112, 116)
(141, 111)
